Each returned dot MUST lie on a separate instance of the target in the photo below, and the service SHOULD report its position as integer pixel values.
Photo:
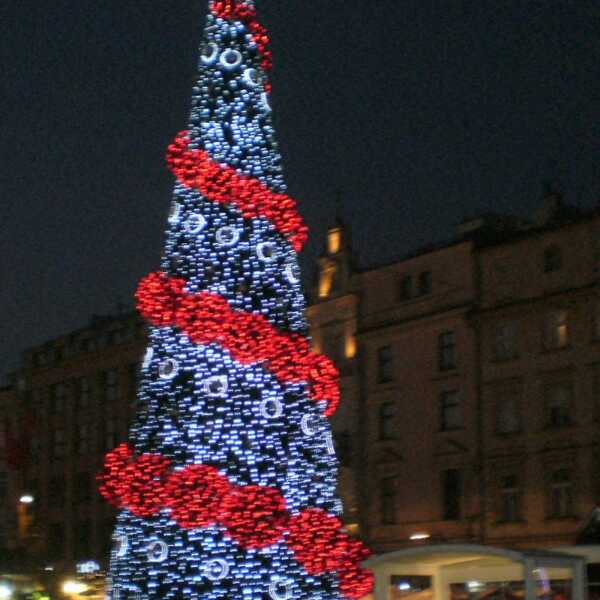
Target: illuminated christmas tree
(227, 488)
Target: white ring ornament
(220, 382)
(122, 545)
(168, 369)
(330, 443)
(195, 223)
(148, 358)
(292, 273)
(216, 570)
(268, 403)
(276, 592)
(210, 59)
(267, 252)
(157, 552)
(305, 425)
(230, 65)
(264, 101)
(227, 236)
(251, 78)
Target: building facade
(476, 383)
(70, 403)
(470, 379)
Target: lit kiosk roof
(528, 573)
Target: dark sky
(421, 111)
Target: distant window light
(351, 347)
(553, 259)
(334, 241)
(556, 330)
(327, 281)
(425, 283)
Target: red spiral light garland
(254, 516)
(219, 183)
(208, 318)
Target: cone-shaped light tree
(227, 487)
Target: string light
(227, 487)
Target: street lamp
(74, 587)
(26, 499)
(419, 536)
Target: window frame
(556, 333)
(452, 511)
(386, 418)
(388, 501)
(447, 354)
(444, 407)
(385, 364)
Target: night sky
(421, 112)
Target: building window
(334, 241)
(505, 341)
(83, 393)
(57, 443)
(327, 282)
(452, 494)
(447, 351)
(387, 494)
(57, 398)
(425, 283)
(385, 364)
(111, 434)
(508, 418)
(451, 414)
(111, 384)
(559, 405)
(387, 413)
(553, 260)
(82, 440)
(556, 330)
(561, 494)
(510, 499)
(405, 290)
